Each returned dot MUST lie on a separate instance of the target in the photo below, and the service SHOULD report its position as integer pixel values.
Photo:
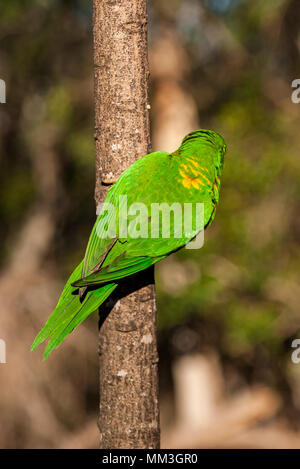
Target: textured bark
(129, 412)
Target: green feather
(70, 312)
(191, 174)
(123, 269)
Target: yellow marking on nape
(186, 183)
(189, 181)
(199, 182)
(206, 178)
(204, 169)
(195, 163)
(195, 183)
(184, 166)
(182, 173)
(195, 171)
(199, 174)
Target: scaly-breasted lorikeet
(189, 175)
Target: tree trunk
(129, 412)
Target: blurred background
(228, 313)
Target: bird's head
(207, 138)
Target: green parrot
(129, 234)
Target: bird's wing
(120, 268)
(102, 239)
(151, 179)
(106, 242)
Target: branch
(129, 413)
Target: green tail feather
(70, 312)
(123, 268)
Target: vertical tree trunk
(129, 412)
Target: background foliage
(238, 296)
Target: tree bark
(129, 412)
